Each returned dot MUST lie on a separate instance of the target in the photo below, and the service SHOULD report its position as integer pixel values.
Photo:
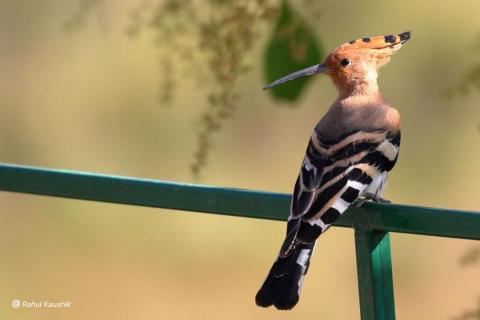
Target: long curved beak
(318, 68)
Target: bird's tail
(284, 282)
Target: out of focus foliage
(471, 80)
(470, 258)
(80, 15)
(292, 46)
(214, 39)
(471, 314)
(471, 77)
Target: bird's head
(354, 65)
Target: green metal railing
(372, 222)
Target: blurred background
(171, 90)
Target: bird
(348, 157)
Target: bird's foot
(358, 202)
(375, 197)
(369, 196)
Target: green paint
(228, 201)
(371, 222)
(374, 269)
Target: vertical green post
(374, 269)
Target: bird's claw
(369, 196)
(358, 202)
(375, 198)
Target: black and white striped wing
(333, 175)
(308, 182)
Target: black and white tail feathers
(284, 281)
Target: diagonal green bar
(143, 192)
(227, 201)
(374, 269)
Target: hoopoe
(348, 156)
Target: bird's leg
(375, 197)
(369, 196)
(358, 202)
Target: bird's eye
(345, 62)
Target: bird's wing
(333, 175)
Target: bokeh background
(79, 92)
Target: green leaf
(292, 46)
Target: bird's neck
(363, 87)
(366, 93)
(362, 82)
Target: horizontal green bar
(227, 201)
(419, 220)
(143, 192)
